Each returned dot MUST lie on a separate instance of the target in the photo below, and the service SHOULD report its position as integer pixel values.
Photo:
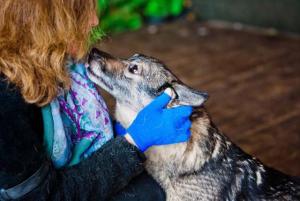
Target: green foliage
(122, 15)
(96, 35)
(163, 8)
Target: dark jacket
(114, 172)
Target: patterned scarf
(77, 122)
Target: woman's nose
(94, 20)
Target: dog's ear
(189, 96)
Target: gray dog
(207, 167)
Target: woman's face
(93, 22)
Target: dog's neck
(191, 153)
(125, 114)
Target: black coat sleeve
(101, 175)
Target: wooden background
(281, 14)
(253, 81)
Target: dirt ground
(253, 80)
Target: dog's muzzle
(96, 54)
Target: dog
(207, 167)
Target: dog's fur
(208, 166)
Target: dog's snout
(93, 55)
(100, 54)
(96, 54)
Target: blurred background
(245, 54)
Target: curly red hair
(34, 39)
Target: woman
(36, 38)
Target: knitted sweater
(99, 177)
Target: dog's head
(135, 81)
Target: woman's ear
(189, 96)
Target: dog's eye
(133, 69)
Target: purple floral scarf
(81, 122)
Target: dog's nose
(98, 54)
(95, 54)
